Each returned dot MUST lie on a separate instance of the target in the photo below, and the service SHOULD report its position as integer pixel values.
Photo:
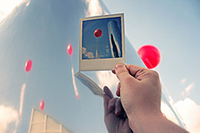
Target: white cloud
(189, 111)
(89, 55)
(189, 87)
(183, 81)
(9, 119)
(168, 113)
(187, 90)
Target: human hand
(140, 92)
(115, 118)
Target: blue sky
(172, 26)
(102, 43)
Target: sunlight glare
(6, 7)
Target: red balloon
(70, 49)
(28, 65)
(42, 105)
(150, 55)
(98, 33)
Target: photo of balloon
(98, 33)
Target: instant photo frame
(101, 46)
(102, 42)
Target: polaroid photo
(102, 42)
(101, 46)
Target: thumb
(122, 72)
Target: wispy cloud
(188, 89)
(183, 81)
(87, 54)
(189, 111)
(9, 119)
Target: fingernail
(119, 66)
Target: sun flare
(6, 7)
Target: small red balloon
(150, 55)
(70, 49)
(98, 33)
(42, 105)
(28, 65)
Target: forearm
(155, 124)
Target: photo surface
(102, 38)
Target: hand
(115, 118)
(140, 92)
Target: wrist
(155, 123)
(142, 120)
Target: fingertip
(118, 107)
(111, 104)
(107, 92)
(118, 92)
(113, 71)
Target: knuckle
(154, 74)
(118, 101)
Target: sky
(173, 27)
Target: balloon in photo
(150, 55)
(28, 65)
(98, 33)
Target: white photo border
(101, 64)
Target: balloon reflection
(74, 84)
(42, 105)
(28, 65)
(22, 99)
(70, 52)
(70, 49)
